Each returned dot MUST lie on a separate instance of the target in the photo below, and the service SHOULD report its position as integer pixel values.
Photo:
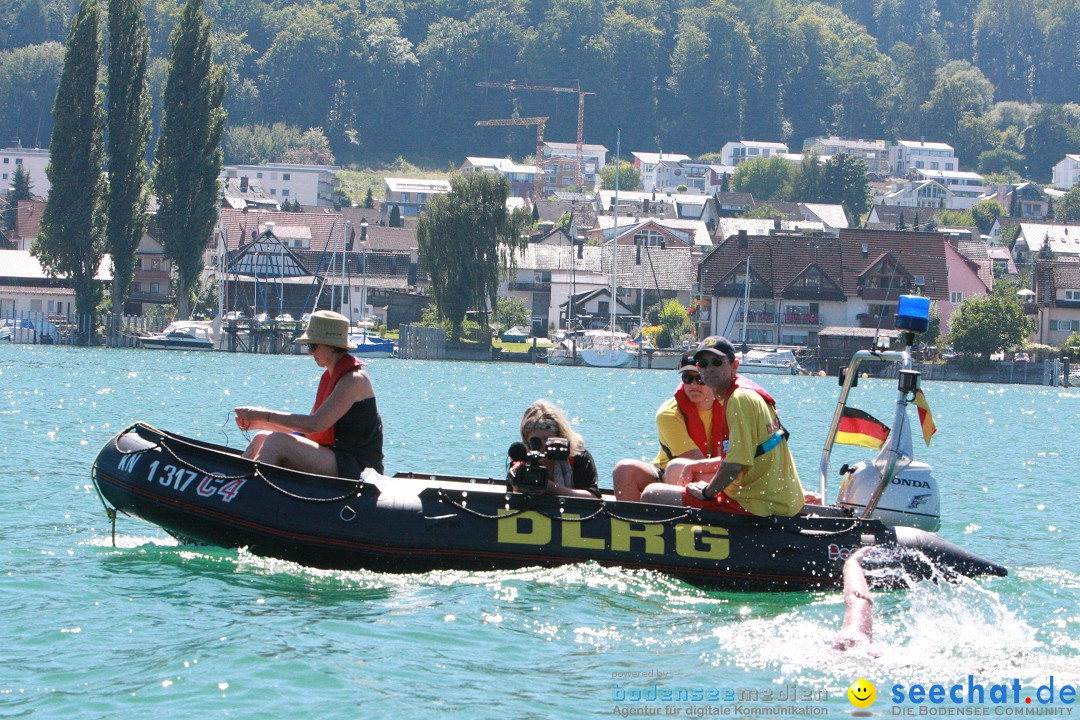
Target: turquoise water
(93, 631)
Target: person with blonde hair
(574, 476)
(343, 433)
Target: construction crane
(540, 123)
(513, 85)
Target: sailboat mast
(615, 238)
(746, 301)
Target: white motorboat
(181, 335)
(606, 348)
(768, 361)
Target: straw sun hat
(327, 328)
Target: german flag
(925, 418)
(861, 428)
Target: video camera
(532, 474)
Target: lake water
(152, 628)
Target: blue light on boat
(913, 313)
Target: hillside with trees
(998, 79)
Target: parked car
(1021, 357)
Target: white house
(919, 194)
(966, 188)
(646, 164)
(907, 155)
(410, 195)
(560, 166)
(522, 177)
(736, 152)
(672, 174)
(1064, 241)
(33, 161)
(1067, 172)
(306, 184)
(875, 153)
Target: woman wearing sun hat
(343, 433)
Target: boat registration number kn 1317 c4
(181, 479)
(691, 540)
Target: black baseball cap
(717, 345)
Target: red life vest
(329, 380)
(696, 429)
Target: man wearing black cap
(686, 425)
(755, 474)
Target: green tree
(20, 190)
(1007, 40)
(1053, 130)
(465, 236)
(766, 178)
(70, 239)
(129, 132)
(986, 325)
(674, 319)
(961, 89)
(844, 182)
(629, 177)
(808, 180)
(511, 312)
(1068, 206)
(369, 199)
(395, 217)
(765, 211)
(1000, 161)
(28, 80)
(189, 155)
(985, 213)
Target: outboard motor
(910, 500)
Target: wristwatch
(705, 492)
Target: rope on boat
(255, 473)
(110, 512)
(602, 510)
(347, 496)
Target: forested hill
(398, 77)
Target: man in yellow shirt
(755, 473)
(685, 425)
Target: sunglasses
(691, 378)
(713, 362)
(540, 425)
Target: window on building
(52, 306)
(285, 192)
(35, 306)
(286, 176)
(258, 175)
(1072, 294)
(273, 191)
(651, 238)
(956, 297)
(18, 161)
(154, 288)
(919, 164)
(136, 287)
(6, 161)
(603, 307)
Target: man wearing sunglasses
(754, 473)
(687, 428)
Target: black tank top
(359, 432)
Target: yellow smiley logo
(862, 693)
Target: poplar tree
(71, 238)
(189, 155)
(129, 131)
(20, 190)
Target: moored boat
(370, 345)
(181, 335)
(768, 361)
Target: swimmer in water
(858, 628)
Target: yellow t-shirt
(674, 439)
(770, 484)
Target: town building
(908, 155)
(799, 285)
(646, 165)
(409, 195)
(875, 153)
(561, 165)
(1056, 303)
(33, 161)
(739, 151)
(1061, 240)
(1067, 172)
(522, 178)
(306, 184)
(965, 188)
